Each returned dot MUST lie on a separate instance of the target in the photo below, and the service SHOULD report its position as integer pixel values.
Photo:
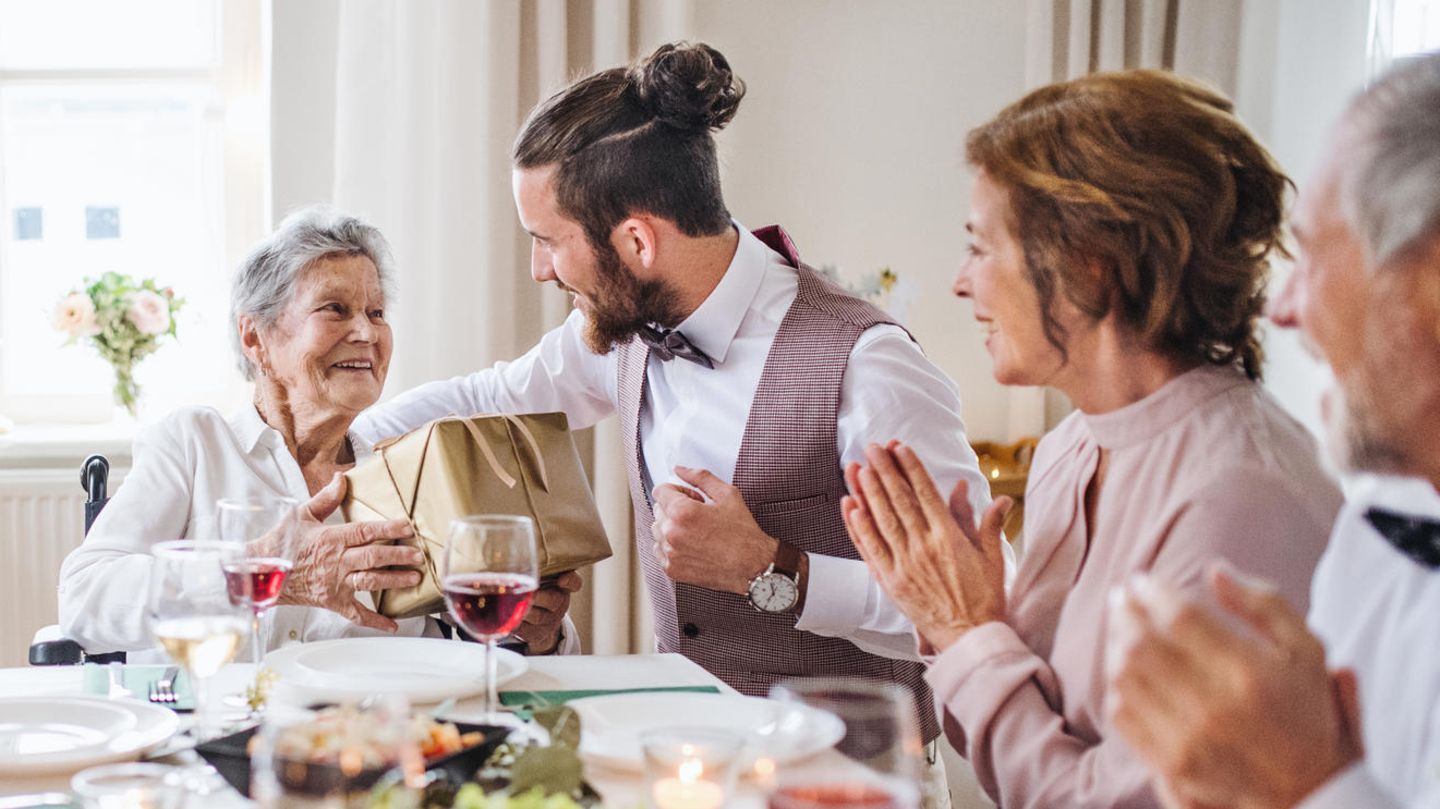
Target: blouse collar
(1143, 420)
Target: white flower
(149, 312)
(75, 315)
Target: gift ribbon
(485, 450)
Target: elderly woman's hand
(334, 562)
(946, 573)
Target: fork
(162, 691)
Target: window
(1400, 29)
(129, 137)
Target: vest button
(691, 631)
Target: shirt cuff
(835, 596)
(952, 669)
(569, 639)
(1353, 787)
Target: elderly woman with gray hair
(308, 312)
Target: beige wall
(851, 134)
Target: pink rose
(149, 312)
(75, 315)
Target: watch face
(773, 592)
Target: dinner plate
(423, 669)
(784, 731)
(49, 735)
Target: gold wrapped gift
(488, 464)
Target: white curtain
(1066, 39)
(429, 97)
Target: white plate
(423, 669)
(49, 735)
(785, 731)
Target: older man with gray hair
(1240, 707)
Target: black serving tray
(230, 757)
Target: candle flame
(690, 771)
(995, 473)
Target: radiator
(42, 518)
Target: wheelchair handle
(94, 474)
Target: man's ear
(635, 239)
(252, 345)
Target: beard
(621, 304)
(1355, 438)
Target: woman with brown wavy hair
(1121, 227)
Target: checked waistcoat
(789, 473)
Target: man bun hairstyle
(689, 88)
(638, 139)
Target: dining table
(591, 673)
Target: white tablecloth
(545, 674)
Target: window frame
(241, 80)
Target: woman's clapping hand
(941, 568)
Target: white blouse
(182, 465)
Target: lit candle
(765, 773)
(688, 791)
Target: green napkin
(525, 702)
(137, 679)
(537, 699)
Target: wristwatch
(777, 589)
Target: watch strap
(787, 560)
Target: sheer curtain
(429, 97)
(1066, 39)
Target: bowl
(230, 756)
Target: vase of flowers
(124, 319)
(881, 287)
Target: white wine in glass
(193, 615)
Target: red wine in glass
(267, 576)
(489, 605)
(833, 796)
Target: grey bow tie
(667, 344)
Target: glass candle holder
(689, 768)
(130, 786)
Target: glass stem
(492, 708)
(259, 651)
(200, 691)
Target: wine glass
(309, 758)
(193, 615)
(880, 757)
(268, 527)
(489, 575)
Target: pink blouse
(1207, 467)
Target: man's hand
(1248, 719)
(541, 627)
(716, 544)
(334, 562)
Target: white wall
(1301, 63)
(851, 137)
(302, 103)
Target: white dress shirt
(1378, 613)
(696, 416)
(182, 465)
